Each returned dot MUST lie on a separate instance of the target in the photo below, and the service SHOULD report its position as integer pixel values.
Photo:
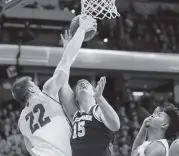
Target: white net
(99, 9)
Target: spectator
(125, 150)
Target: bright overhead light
(105, 40)
(73, 11)
(137, 93)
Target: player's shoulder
(176, 142)
(21, 120)
(23, 114)
(24, 111)
(39, 98)
(175, 146)
(158, 144)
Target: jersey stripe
(75, 115)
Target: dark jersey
(90, 136)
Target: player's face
(159, 120)
(84, 88)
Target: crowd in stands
(133, 31)
(127, 133)
(137, 32)
(158, 32)
(11, 141)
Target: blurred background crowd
(135, 30)
(144, 26)
(11, 141)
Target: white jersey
(45, 125)
(143, 147)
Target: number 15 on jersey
(78, 129)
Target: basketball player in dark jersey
(95, 122)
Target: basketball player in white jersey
(43, 122)
(151, 139)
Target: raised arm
(61, 74)
(141, 137)
(105, 112)
(66, 94)
(66, 91)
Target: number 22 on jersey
(41, 120)
(78, 129)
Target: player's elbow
(62, 69)
(61, 78)
(55, 83)
(115, 124)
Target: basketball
(74, 26)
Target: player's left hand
(66, 38)
(100, 88)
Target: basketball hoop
(99, 9)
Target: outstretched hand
(100, 88)
(66, 38)
(87, 23)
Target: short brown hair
(173, 128)
(20, 89)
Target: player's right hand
(87, 23)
